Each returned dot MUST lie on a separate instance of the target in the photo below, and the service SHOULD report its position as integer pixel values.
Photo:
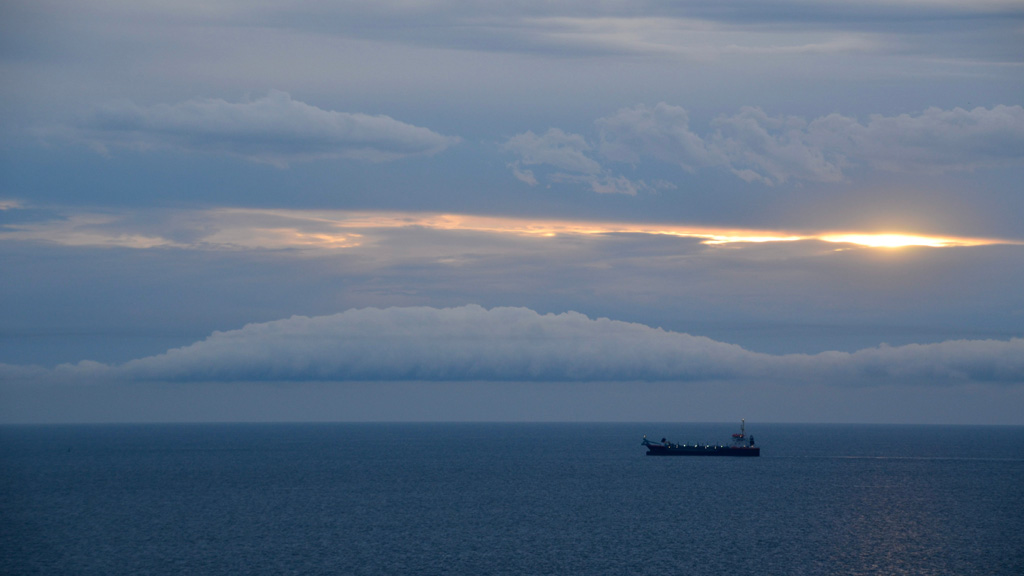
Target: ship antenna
(743, 426)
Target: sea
(509, 499)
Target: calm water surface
(508, 499)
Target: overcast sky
(782, 210)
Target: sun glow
(903, 240)
(312, 231)
(544, 228)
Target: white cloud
(617, 185)
(605, 183)
(981, 360)
(471, 343)
(563, 150)
(662, 132)
(935, 140)
(467, 343)
(775, 149)
(566, 152)
(771, 150)
(522, 174)
(274, 128)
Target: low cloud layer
(472, 343)
(275, 129)
(772, 150)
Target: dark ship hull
(742, 445)
(656, 450)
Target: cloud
(96, 230)
(775, 149)
(935, 141)
(979, 360)
(523, 174)
(604, 183)
(757, 147)
(330, 231)
(562, 150)
(471, 343)
(772, 150)
(661, 132)
(274, 129)
(685, 28)
(566, 152)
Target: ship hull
(700, 451)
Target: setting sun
(340, 229)
(903, 240)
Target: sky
(781, 210)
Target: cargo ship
(742, 445)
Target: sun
(899, 240)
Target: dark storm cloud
(472, 343)
(274, 128)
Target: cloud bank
(275, 129)
(472, 343)
(772, 150)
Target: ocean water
(485, 499)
